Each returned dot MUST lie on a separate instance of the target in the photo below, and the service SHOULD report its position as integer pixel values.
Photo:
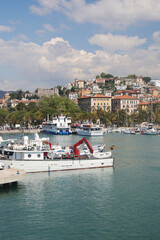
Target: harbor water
(120, 203)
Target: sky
(46, 43)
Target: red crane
(76, 150)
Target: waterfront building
(125, 102)
(91, 103)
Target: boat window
(29, 155)
(38, 155)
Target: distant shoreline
(20, 131)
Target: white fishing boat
(128, 131)
(90, 130)
(38, 155)
(60, 125)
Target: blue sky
(45, 43)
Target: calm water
(121, 203)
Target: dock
(11, 175)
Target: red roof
(128, 91)
(100, 96)
(125, 97)
(95, 96)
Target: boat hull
(33, 166)
(90, 133)
(64, 132)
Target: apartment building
(91, 103)
(126, 102)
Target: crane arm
(76, 151)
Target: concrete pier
(11, 175)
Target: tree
(3, 115)
(109, 75)
(103, 75)
(132, 76)
(56, 105)
(21, 106)
(17, 95)
(146, 79)
(32, 107)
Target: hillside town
(107, 93)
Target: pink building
(100, 81)
(127, 103)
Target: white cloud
(48, 27)
(45, 28)
(20, 37)
(107, 13)
(156, 41)
(46, 7)
(56, 62)
(6, 28)
(112, 43)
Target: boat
(38, 155)
(148, 129)
(151, 131)
(4, 141)
(128, 131)
(75, 127)
(116, 130)
(59, 125)
(90, 130)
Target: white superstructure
(60, 125)
(90, 130)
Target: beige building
(79, 83)
(84, 92)
(47, 92)
(96, 102)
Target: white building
(155, 83)
(73, 96)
